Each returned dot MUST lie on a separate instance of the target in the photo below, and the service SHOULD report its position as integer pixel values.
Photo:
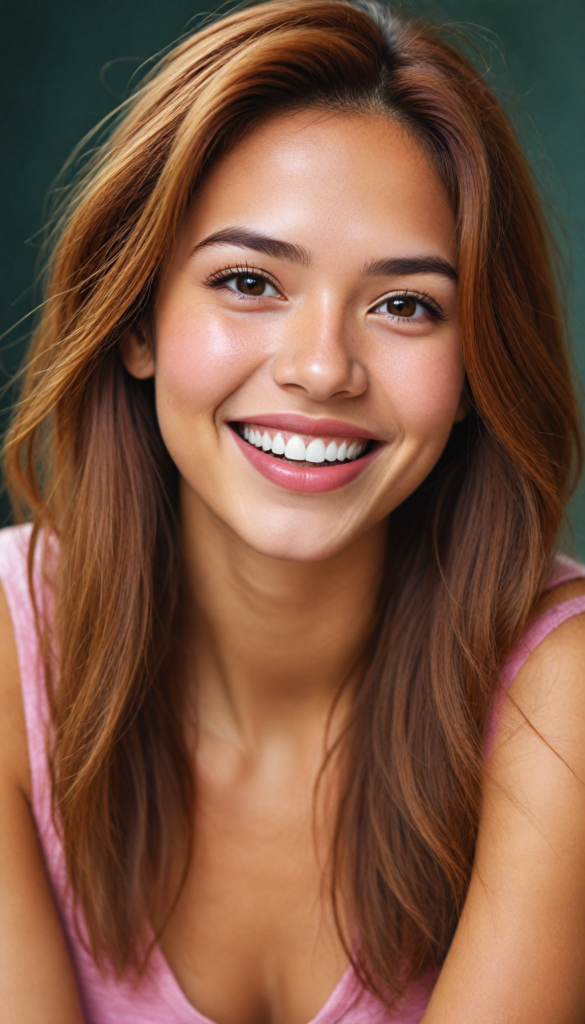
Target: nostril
(321, 376)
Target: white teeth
(331, 452)
(316, 451)
(295, 449)
(278, 445)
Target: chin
(296, 544)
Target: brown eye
(249, 284)
(402, 305)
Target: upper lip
(301, 424)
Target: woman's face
(306, 355)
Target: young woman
(292, 698)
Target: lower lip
(310, 481)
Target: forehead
(330, 181)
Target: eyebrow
(400, 266)
(246, 239)
(392, 266)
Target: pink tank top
(158, 999)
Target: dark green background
(65, 63)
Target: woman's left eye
(405, 307)
(249, 284)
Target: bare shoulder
(547, 697)
(13, 743)
(37, 982)
(562, 592)
(519, 950)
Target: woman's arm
(37, 983)
(518, 956)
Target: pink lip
(300, 424)
(311, 481)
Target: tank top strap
(564, 570)
(14, 548)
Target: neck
(272, 642)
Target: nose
(319, 357)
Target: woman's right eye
(250, 284)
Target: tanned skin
(281, 593)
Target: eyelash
(431, 305)
(220, 277)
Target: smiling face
(306, 355)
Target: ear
(136, 352)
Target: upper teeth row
(295, 448)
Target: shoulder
(14, 766)
(563, 591)
(519, 951)
(535, 785)
(14, 542)
(14, 549)
(37, 981)
(544, 710)
(549, 689)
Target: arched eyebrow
(400, 266)
(246, 239)
(392, 266)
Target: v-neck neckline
(344, 992)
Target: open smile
(304, 449)
(302, 461)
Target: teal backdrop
(66, 63)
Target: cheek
(423, 383)
(199, 361)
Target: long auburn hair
(468, 552)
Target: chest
(252, 938)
